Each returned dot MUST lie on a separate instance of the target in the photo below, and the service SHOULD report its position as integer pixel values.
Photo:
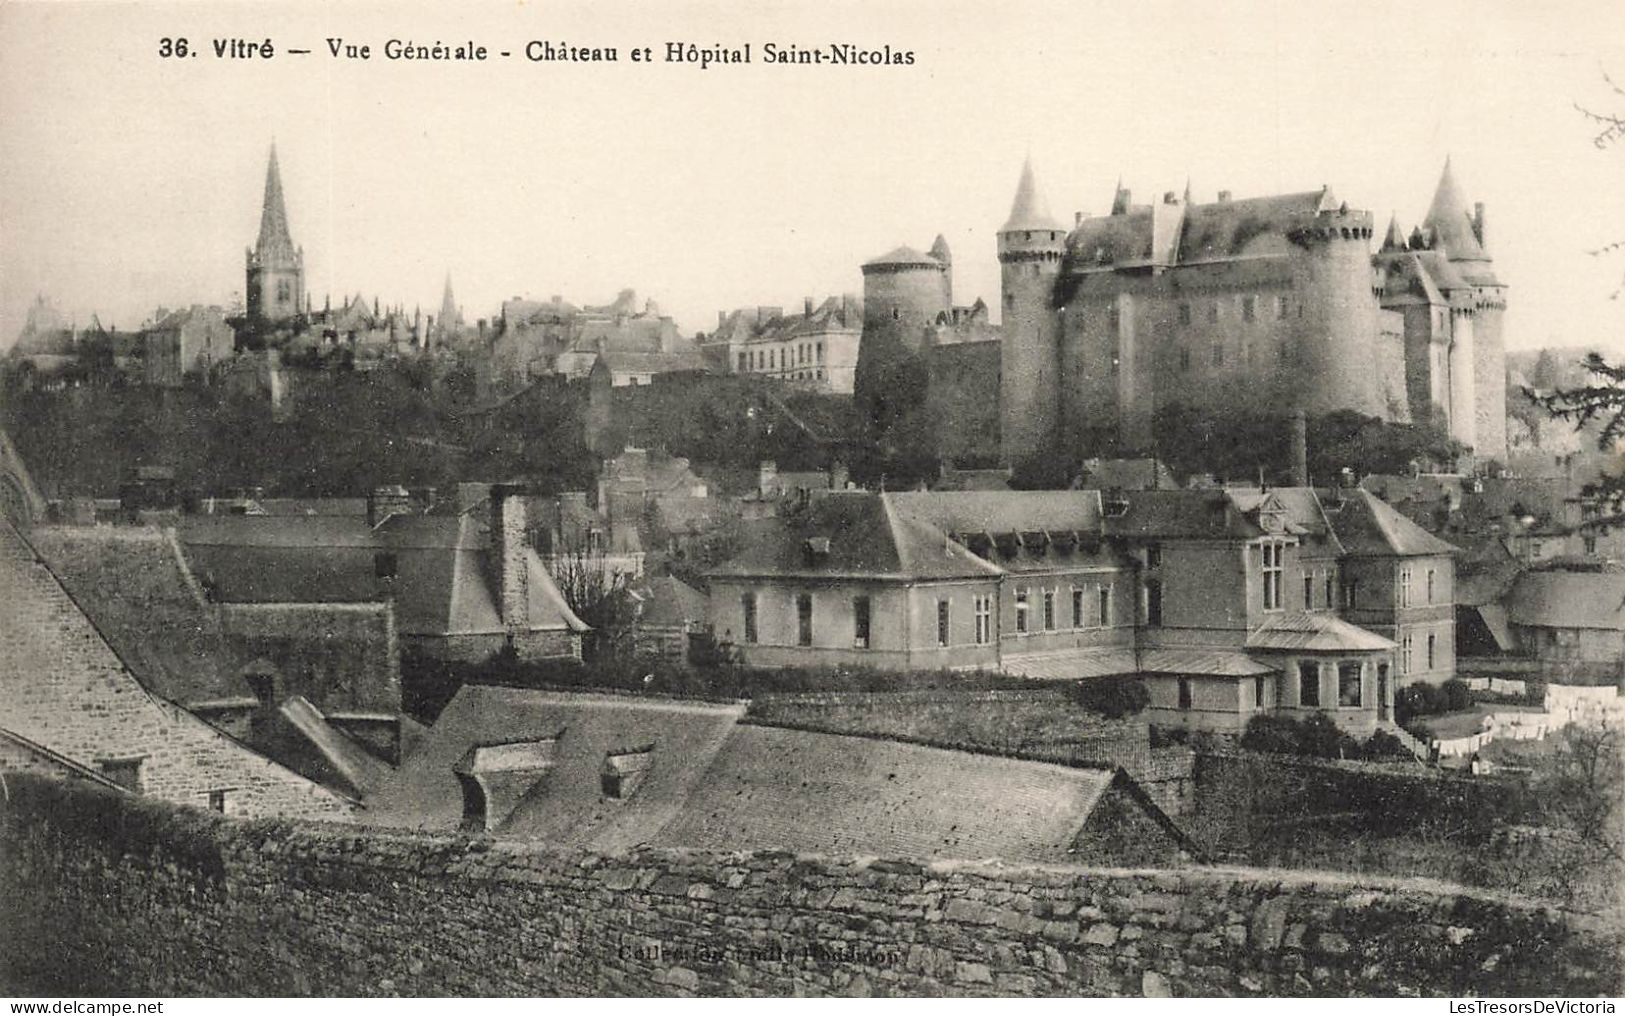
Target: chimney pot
(1077, 219)
(806, 304)
(1224, 196)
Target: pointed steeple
(275, 245)
(1029, 211)
(1450, 223)
(1121, 199)
(1395, 238)
(449, 317)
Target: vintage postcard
(894, 499)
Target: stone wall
(108, 894)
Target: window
(1308, 590)
(1308, 683)
(1153, 602)
(1213, 313)
(1105, 606)
(860, 622)
(125, 772)
(1432, 642)
(1280, 307)
(1404, 587)
(1430, 585)
(1331, 584)
(944, 612)
(1348, 683)
(1184, 693)
(743, 362)
(1405, 655)
(1218, 353)
(1272, 574)
(1351, 594)
(984, 620)
(1184, 313)
(1258, 693)
(1077, 608)
(747, 603)
(820, 349)
(1049, 610)
(1248, 306)
(220, 800)
(1021, 611)
(804, 619)
(1153, 555)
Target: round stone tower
(1459, 235)
(1030, 246)
(1334, 362)
(905, 294)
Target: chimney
(767, 477)
(722, 318)
(1478, 221)
(1224, 196)
(1300, 449)
(508, 553)
(1170, 198)
(806, 301)
(386, 501)
(1077, 219)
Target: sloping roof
(1311, 632)
(1448, 221)
(1181, 514)
(324, 753)
(865, 538)
(1001, 511)
(1209, 662)
(1071, 664)
(669, 602)
(1028, 211)
(1129, 474)
(130, 583)
(770, 788)
(274, 246)
(905, 255)
(1368, 526)
(444, 580)
(566, 806)
(1568, 599)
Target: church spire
(275, 246)
(449, 318)
(1029, 211)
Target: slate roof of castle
(1028, 211)
(905, 255)
(1449, 223)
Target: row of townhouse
(1228, 603)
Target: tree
(598, 594)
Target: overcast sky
(129, 181)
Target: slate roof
(1448, 221)
(1568, 599)
(1217, 231)
(1128, 474)
(771, 788)
(309, 745)
(1029, 210)
(130, 583)
(866, 538)
(1367, 526)
(904, 255)
(714, 783)
(1311, 632)
(274, 246)
(1071, 664)
(566, 807)
(1178, 514)
(1006, 511)
(444, 580)
(669, 602)
(1206, 662)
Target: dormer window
(816, 549)
(624, 771)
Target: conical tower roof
(1029, 211)
(448, 307)
(1395, 237)
(940, 251)
(1449, 222)
(274, 245)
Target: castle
(1269, 304)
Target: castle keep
(1269, 304)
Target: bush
(1457, 696)
(1276, 734)
(1383, 745)
(1113, 698)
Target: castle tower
(1334, 363)
(276, 268)
(1459, 235)
(940, 251)
(1030, 246)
